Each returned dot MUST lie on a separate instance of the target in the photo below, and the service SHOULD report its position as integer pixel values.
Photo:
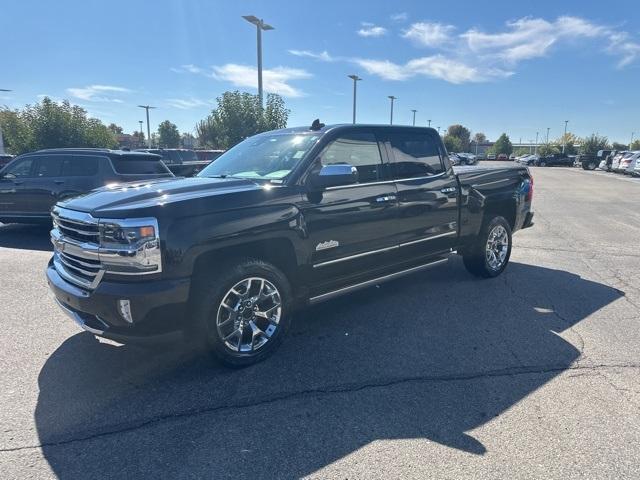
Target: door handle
(386, 198)
(58, 182)
(449, 190)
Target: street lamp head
(257, 22)
(392, 97)
(146, 106)
(355, 78)
(414, 111)
(4, 90)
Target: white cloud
(371, 30)
(98, 93)
(429, 34)
(399, 17)
(188, 68)
(187, 103)
(529, 38)
(435, 66)
(324, 56)
(274, 80)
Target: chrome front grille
(75, 238)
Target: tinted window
(20, 168)
(189, 156)
(48, 167)
(80, 166)
(135, 165)
(415, 155)
(359, 150)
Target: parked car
(636, 169)
(454, 159)
(283, 219)
(555, 160)
(590, 161)
(208, 155)
(529, 160)
(467, 159)
(491, 156)
(5, 158)
(182, 162)
(503, 156)
(626, 162)
(32, 183)
(635, 158)
(615, 161)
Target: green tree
(479, 137)
(452, 144)
(462, 134)
(116, 129)
(569, 141)
(618, 146)
(49, 124)
(502, 145)
(548, 149)
(593, 143)
(635, 145)
(168, 135)
(238, 116)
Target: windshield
(267, 156)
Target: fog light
(125, 310)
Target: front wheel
(490, 255)
(242, 315)
(589, 165)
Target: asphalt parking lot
(535, 374)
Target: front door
(348, 226)
(13, 199)
(427, 221)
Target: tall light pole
(140, 136)
(260, 26)
(355, 79)
(147, 107)
(564, 137)
(429, 123)
(632, 134)
(1, 139)
(392, 98)
(535, 152)
(547, 142)
(414, 117)
(438, 130)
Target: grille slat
(83, 270)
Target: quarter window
(80, 166)
(359, 150)
(415, 155)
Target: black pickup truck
(282, 220)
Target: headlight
(130, 246)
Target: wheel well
(503, 209)
(279, 252)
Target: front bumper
(528, 220)
(159, 308)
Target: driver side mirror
(334, 176)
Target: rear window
(137, 165)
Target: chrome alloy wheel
(497, 247)
(249, 314)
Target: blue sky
(499, 66)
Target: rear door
(427, 188)
(44, 187)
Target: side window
(80, 166)
(49, 167)
(20, 169)
(359, 150)
(415, 155)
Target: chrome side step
(384, 278)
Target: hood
(125, 197)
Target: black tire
(211, 290)
(591, 165)
(475, 259)
(542, 163)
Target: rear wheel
(490, 255)
(542, 163)
(591, 165)
(242, 315)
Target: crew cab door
(349, 226)
(428, 194)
